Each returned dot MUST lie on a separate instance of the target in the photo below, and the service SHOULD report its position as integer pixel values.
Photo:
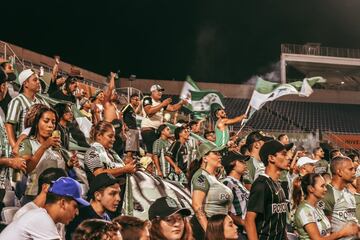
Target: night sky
(214, 41)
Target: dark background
(213, 41)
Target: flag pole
(243, 122)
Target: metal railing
(317, 50)
(7, 53)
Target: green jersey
(50, 159)
(222, 137)
(306, 214)
(357, 200)
(255, 168)
(218, 196)
(341, 206)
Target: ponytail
(194, 166)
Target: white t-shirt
(24, 209)
(35, 224)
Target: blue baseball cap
(68, 187)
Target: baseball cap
(156, 87)
(83, 101)
(206, 147)
(103, 180)
(257, 136)
(305, 160)
(24, 75)
(68, 187)
(231, 156)
(271, 148)
(166, 206)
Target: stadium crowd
(253, 187)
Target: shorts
(132, 141)
(149, 136)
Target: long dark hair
(35, 125)
(215, 227)
(94, 229)
(156, 234)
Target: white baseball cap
(156, 87)
(24, 75)
(305, 160)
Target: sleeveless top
(222, 137)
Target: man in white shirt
(61, 206)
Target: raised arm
(229, 121)
(151, 110)
(108, 92)
(176, 107)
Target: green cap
(206, 147)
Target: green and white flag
(266, 91)
(189, 85)
(206, 100)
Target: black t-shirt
(84, 214)
(5, 102)
(267, 200)
(129, 116)
(177, 151)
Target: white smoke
(272, 75)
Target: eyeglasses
(171, 220)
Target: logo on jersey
(224, 196)
(321, 205)
(277, 208)
(346, 214)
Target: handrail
(7, 46)
(317, 50)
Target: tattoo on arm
(200, 212)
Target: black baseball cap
(103, 180)
(166, 206)
(257, 136)
(233, 156)
(271, 148)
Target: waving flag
(266, 91)
(205, 100)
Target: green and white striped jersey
(17, 110)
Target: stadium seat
(8, 213)
(9, 198)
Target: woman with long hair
(97, 229)
(40, 149)
(310, 220)
(169, 221)
(209, 195)
(100, 157)
(221, 226)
